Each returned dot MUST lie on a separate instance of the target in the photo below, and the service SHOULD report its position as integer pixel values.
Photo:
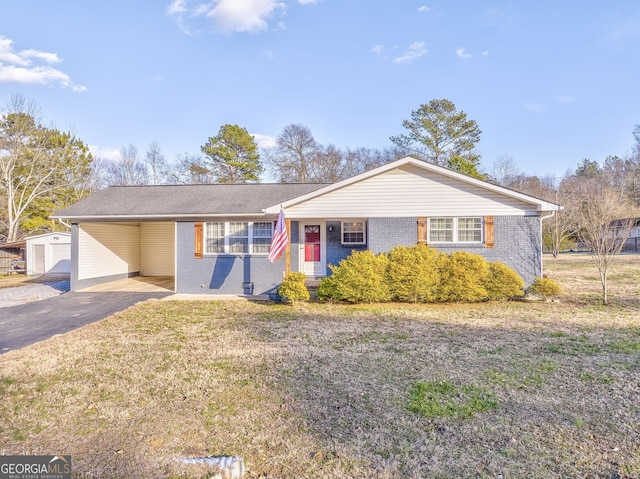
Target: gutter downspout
(62, 222)
(542, 218)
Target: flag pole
(287, 250)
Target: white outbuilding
(48, 253)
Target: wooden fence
(11, 263)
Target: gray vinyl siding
(224, 273)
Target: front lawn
(509, 390)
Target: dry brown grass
(322, 390)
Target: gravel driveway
(31, 292)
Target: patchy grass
(442, 399)
(388, 391)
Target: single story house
(215, 239)
(48, 253)
(632, 243)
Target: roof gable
(410, 187)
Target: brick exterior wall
(336, 251)
(222, 274)
(517, 241)
(385, 233)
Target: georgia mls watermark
(35, 467)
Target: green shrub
(358, 278)
(462, 278)
(293, 287)
(544, 287)
(413, 273)
(502, 282)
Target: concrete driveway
(30, 323)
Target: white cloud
(45, 56)
(307, 2)
(424, 8)
(228, 15)
(415, 51)
(177, 7)
(22, 67)
(565, 99)
(264, 141)
(462, 54)
(112, 154)
(243, 15)
(380, 51)
(537, 107)
(485, 53)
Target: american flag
(280, 238)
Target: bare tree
(128, 170)
(190, 169)
(97, 179)
(40, 168)
(505, 170)
(603, 220)
(156, 163)
(298, 158)
(291, 159)
(359, 160)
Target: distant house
(632, 244)
(215, 238)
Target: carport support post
(287, 250)
(75, 256)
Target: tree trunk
(603, 278)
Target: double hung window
(353, 232)
(455, 230)
(238, 237)
(214, 237)
(262, 233)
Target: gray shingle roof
(183, 201)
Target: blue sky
(548, 82)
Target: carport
(123, 256)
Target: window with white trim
(262, 233)
(214, 237)
(441, 230)
(470, 230)
(354, 232)
(238, 237)
(455, 230)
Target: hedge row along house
(214, 239)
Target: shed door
(38, 259)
